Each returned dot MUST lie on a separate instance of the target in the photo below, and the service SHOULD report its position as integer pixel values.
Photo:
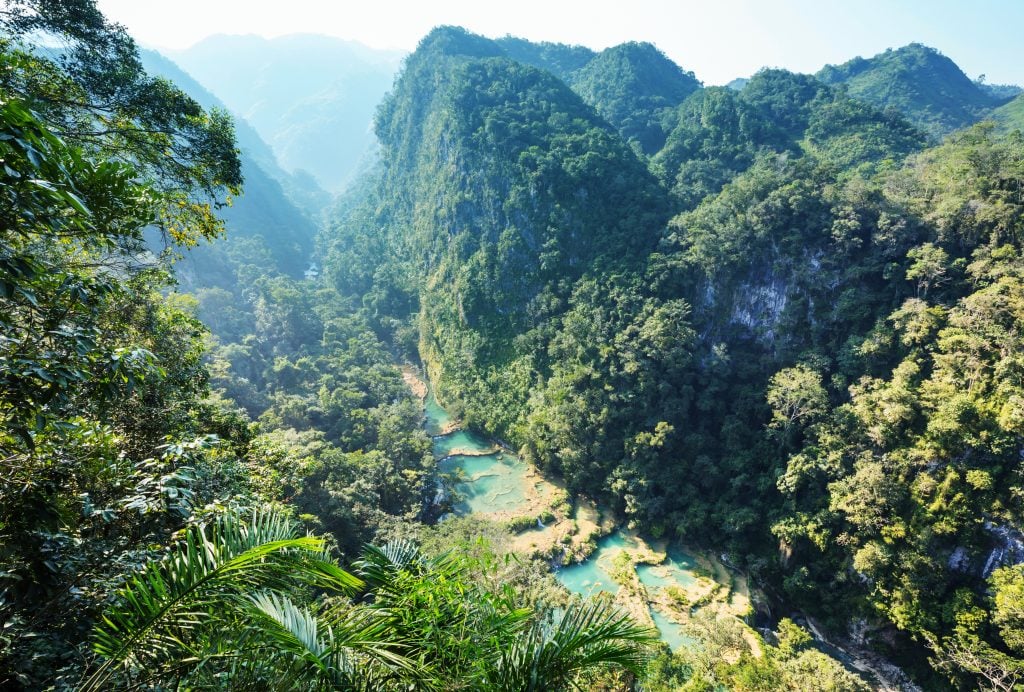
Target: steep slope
(1010, 116)
(718, 132)
(629, 84)
(918, 81)
(500, 189)
(264, 214)
(310, 97)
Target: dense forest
(778, 321)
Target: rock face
(1008, 549)
(959, 560)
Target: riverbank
(660, 585)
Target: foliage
(1010, 115)
(723, 657)
(103, 444)
(814, 275)
(918, 81)
(790, 334)
(229, 601)
(629, 85)
(93, 91)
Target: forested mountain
(778, 323)
(718, 132)
(557, 58)
(692, 372)
(919, 82)
(629, 85)
(265, 217)
(999, 91)
(310, 97)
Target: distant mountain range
(312, 98)
(276, 208)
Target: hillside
(1010, 116)
(918, 81)
(718, 132)
(534, 192)
(744, 360)
(663, 370)
(311, 98)
(629, 84)
(264, 213)
(558, 59)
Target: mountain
(1010, 116)
(311, 98)
(1000, 91)
(778, 324)
(500, 188)
(510, 225)
(557, 58)
(718, 132)
(751, 338)
(629, 84)
(264, 213)
(918, 81)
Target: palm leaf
(587, 637)
(160, 611)
(380, 566)
(343, 646)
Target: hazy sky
(717, 39)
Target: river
(658, 584)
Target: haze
(717, 40)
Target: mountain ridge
(311, 97)
(919, 81)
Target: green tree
(94, 92)
(228, 600)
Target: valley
(504, 364)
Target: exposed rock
(959, 560)
(1008, 550)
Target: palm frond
(587, 637)
(379, 566)
(159, 612)
(336, 640)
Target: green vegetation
(919, 82)
(769, 321)
(726, 660)
(631, 85)
(400, 620)
(718, 373)
(146, 535)
(1011, 115)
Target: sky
(716, 39)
